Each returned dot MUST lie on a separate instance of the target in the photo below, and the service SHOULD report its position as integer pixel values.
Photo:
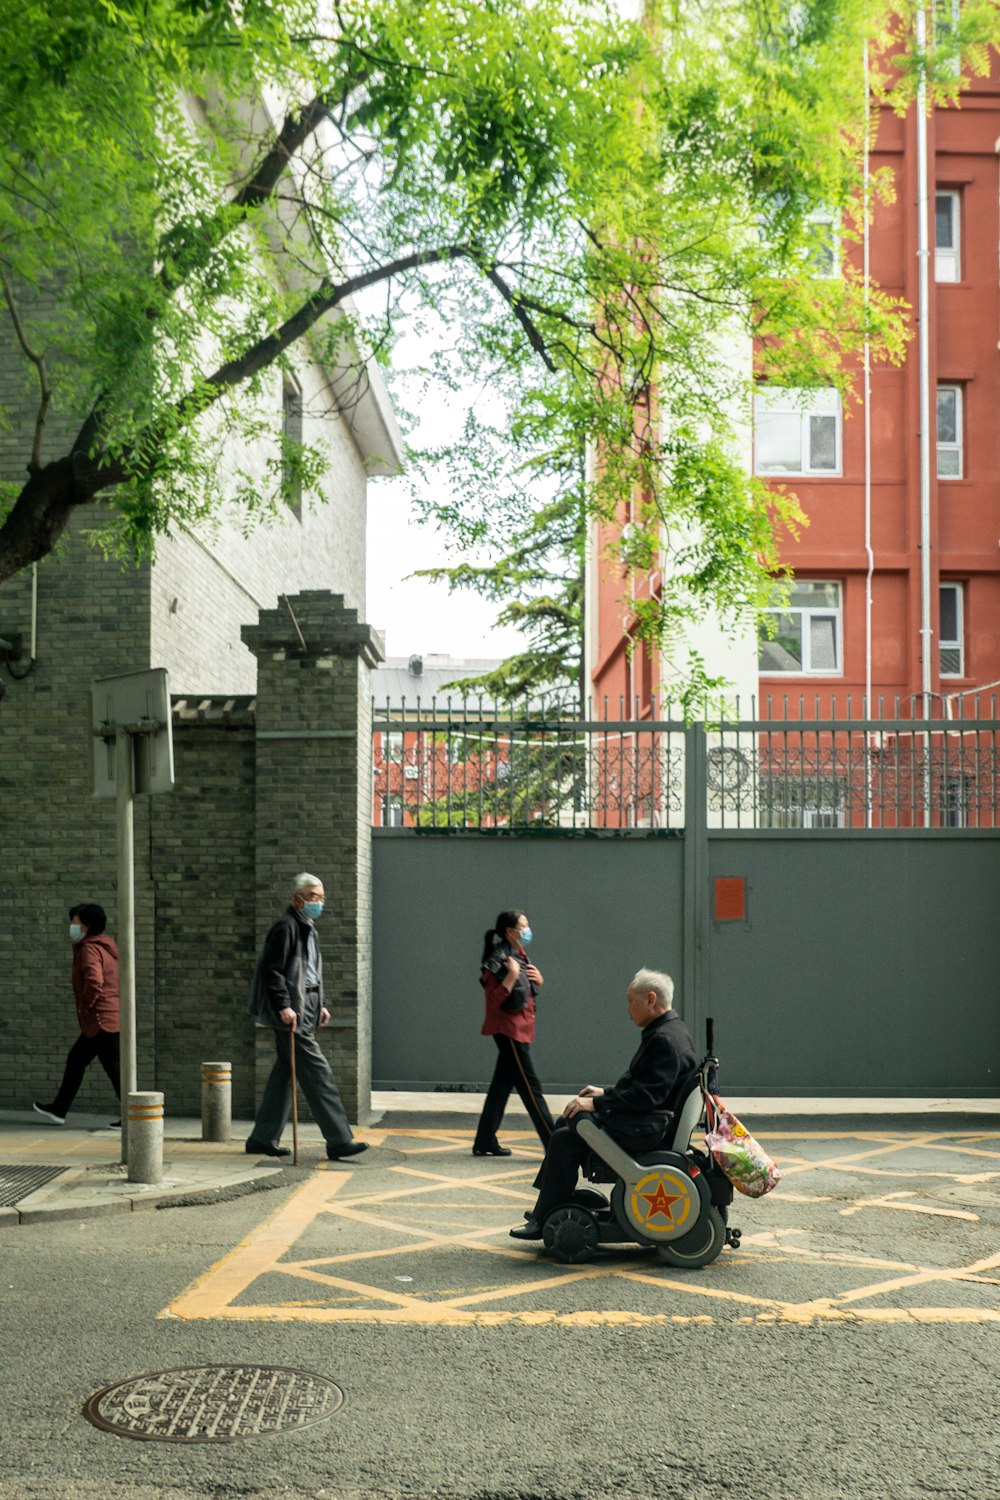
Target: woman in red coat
(95, 988)
(510, 981)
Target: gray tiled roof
(395, 679)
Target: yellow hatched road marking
(434, 1196)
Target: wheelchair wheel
(570, 1233)
(699, 1248)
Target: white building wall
(206, 585)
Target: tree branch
(517, 306)
(38, 360)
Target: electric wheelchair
(673, 1197)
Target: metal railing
(467, 763)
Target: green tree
(536, 573)
(188, 188)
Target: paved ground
(847, 1352)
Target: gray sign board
(137, 703)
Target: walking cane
(295, 1101)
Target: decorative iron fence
(468, 764)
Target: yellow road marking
(439, 1198)
(891, 1200)
(261, 1248)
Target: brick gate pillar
(314, 806)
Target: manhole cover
(214, 1403)
(20, 1182)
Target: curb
(180, 1196)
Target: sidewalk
(73, 1171)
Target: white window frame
(789, 402)
(786, 804)
(946, 17)
(958, 446)
(948, 258)
(807, 613)
(826, 216)
(392, 810)
(958, 644)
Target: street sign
(138, 704)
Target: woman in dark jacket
(95, 989)
(510, 981)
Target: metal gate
(826, 889)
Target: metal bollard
(216, 1101)
(145, 1137)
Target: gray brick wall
(57, 841)
(313, 802)
(214, 858)
(201, 843)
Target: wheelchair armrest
(609, 1151)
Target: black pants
(514, 1070)
(82, 1053)
(564, 1156)
(315, 1078)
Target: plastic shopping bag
(743, 1160)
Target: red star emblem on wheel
(661, 1202)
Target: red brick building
(863, 540)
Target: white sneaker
(48, 1114)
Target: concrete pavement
(51, 1172)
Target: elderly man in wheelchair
(666, 1192)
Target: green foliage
(599, 213)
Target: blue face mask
(524, 936)
(312, 909)
(75, 932)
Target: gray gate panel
(867, 965)
(599, 907)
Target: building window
(949, 432)
(809, 801)
(392, 812)
(956, 800)
(822, 243)
(796, 431)
(805, 633)
(947, 15)
(291, 446)
(951, 630)
(947, 237)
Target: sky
(414, 614)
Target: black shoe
(529, 1230)
(261, 1148)
(491, 1151)
(48, 1113)
(353, 1148)
(114, 1124)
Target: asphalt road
(849, 1349)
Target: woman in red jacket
(95, 987)
(510, 981)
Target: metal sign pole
(126, 923)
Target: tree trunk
(42, 512)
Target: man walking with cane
(287, 994)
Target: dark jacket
(95, 984)
(510, 1014)
(279, 980)
(654, 1079)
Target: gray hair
(303, 881)
(651, 979)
